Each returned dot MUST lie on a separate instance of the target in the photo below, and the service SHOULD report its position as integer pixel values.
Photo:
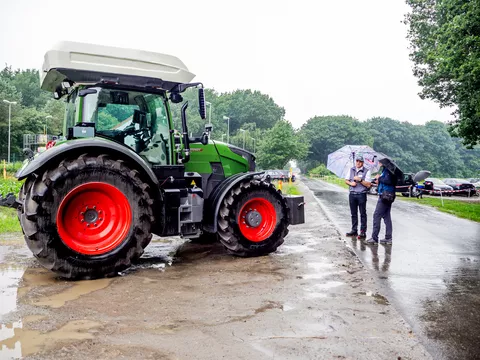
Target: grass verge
(462, 209)
(288, 189)
(9, 220)
(9, 185)
(333, 180)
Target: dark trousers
(358, 202)
(382, 211)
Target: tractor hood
(247, 155)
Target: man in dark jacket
(386, 183)
(358, 178)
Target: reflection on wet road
(432, 271)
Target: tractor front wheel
(253, 219)
(87, 218)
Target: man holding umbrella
(358, 178)
(386, 196)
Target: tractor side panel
(232, 163)
(204, 159)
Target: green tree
(27, 82)
(280, 145)
(320, 170)
(247, 109)
(445, 49)
(329, 133)
(247, 106)
(55, 109)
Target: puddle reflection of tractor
(120, 171)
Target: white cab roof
(87, 63)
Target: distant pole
(228, 128)
(244, 133)
(10, 103)
(209, 112)
(253, 145)
(46, 123)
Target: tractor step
(9, 200)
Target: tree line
(257, 123)
(414, 147)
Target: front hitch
(9, 200)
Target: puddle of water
(320, 266)
(317, 276)
(329, 285)
(78, 289)
(9, 278)
(10, 349)
(320, 270)
(314, 295)
(295, 249)
(15, 341)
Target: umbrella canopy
(391, 166)
(340, 161)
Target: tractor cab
(132, 118)
(121, 95)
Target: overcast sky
(316, 57)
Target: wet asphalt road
(312, 299)
(431, 272)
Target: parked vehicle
(280, 175)
(408, 186)
(286, 175)
(475, 182)
(436, 186)
(461, 186)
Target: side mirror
(202, 106)
(85, 92)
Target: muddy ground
(312, 299)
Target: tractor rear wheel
(253, 219)
(87, 218)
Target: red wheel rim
(257, 219)
(94, 218)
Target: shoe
(362, 235)
(371, 242)
(386, 241)
(351, 233)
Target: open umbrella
(340, 161)
(390, 165)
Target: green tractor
(120, 171)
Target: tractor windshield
(136, 119)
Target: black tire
(229, 231)
(41, 197)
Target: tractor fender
(214, 201)
(82, 146)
